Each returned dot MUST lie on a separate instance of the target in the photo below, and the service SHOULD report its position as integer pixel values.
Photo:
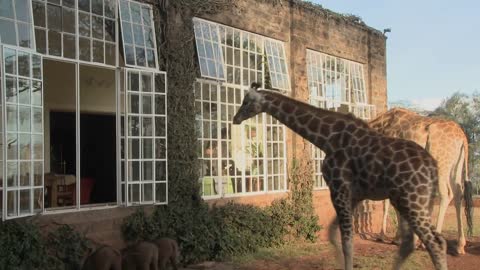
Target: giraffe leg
(407, 245)
(445, 193)
(458, 207)
(383, 232)
(333, 239)
(433, 240)
(458, 197)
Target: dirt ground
(369, 253)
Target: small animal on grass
(140, 256)
(103, 258)
(167, 251)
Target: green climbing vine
(205, 232)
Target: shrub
(68, 247)
(22, 247)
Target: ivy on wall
(223, 231)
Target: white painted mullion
(77, 134)
(4, 132)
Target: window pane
(24, 64)
(37, 93)
(10, 58)
(54, 14)
(138, 33)
(130, 55)
(22, 8)
(84, 24)
(23, 91)
(68, 20)
(85, 46)
(6, 8)
(110, 52)
(110, 8)
(109, 30)
(97, 7)
(41, 41)
(54, 43)
(97, 27)
(36, 65)
(127, 33)
(84, 5)
(7, 32)
(98, 51)
(140, 56)
(39, 14)
(25, 35)
(69, 46)
(11, 89)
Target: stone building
(84, 100)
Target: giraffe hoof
(460, 250)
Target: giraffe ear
(255, 86)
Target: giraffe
(360, 164)
(447, 143)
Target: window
(277, 64)
(335, 84)
(56, 28)
(240, 159)
(138, 34)
(208, 50)
(240, 57)
(244, 159)
(23, 101)
(16, 23)
(96, 29)
(144, 142)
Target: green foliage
(68, 246)
(241, 229)
(22, 247)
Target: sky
(433, 50)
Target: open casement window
(277, 64)
(22, 127)
(144, 138)
(209, 50)
(138, 35)
(56, 29)
(16, 23)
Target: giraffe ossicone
(360, 164)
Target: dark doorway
(97, 153)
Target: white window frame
(201, 38)
(119, 71)
(127, 182)
(274, 179)
(143, 26)
(243, 59)
(16, 22)
(277, 64)
(352, 94)
(30, 159)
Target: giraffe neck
(326, 129)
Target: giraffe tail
(468, 192)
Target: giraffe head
(251, 106)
